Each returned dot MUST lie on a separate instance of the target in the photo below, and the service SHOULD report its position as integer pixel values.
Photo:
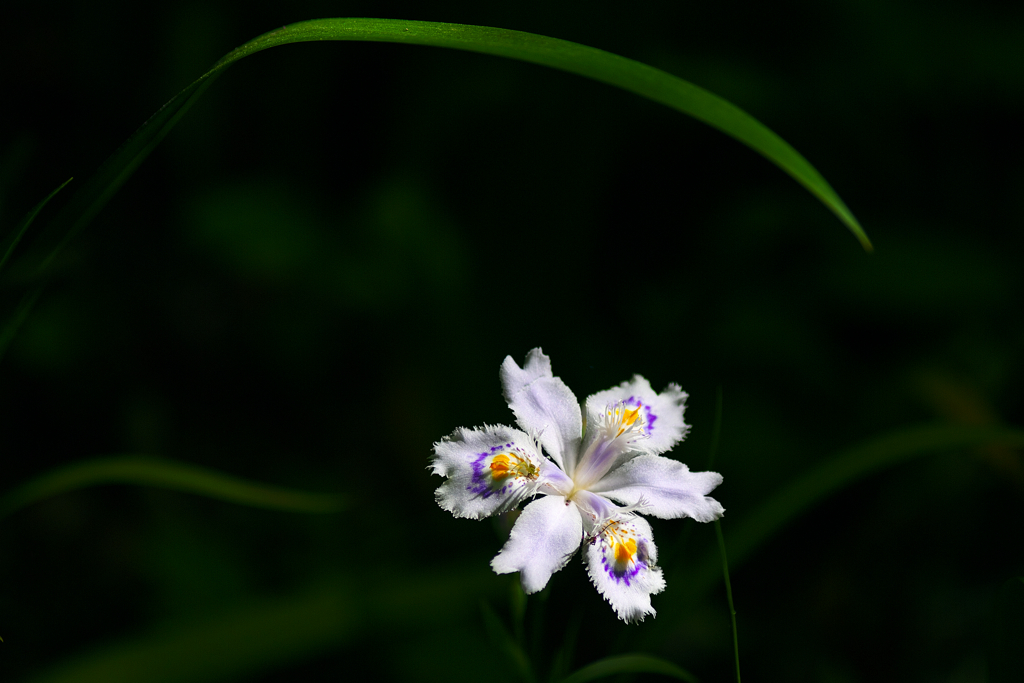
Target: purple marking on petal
(479, 484)
(624, 574)
(633, 402)
(483, 484)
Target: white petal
(491, 470)
(544, 406)
(621, 561)
(663, 413)
(543, 540)
(668, 488)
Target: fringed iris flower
(597, 475)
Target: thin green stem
(27, 221)
(716, 429)
(728, 596)
(28, 300)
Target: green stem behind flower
(728, 595)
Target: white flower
(615, 459)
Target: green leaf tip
(582, 60)
(165, 474)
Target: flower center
(626, 417)
(624, 551)
(621, 542)
(618, 426)
(512, 465)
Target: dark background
(318, 272)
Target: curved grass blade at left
(266, 635)
(28, 300)
(19, 232)
(165, 474)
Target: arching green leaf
(599, 65)
(12, 241)
(837, 472)
(166, 474)
(270, 633)
(619, 664)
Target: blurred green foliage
(318, 272)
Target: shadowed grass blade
(1006, 651)
(590, 62)
(620, 664)
(112, 174)
(166, 474)
(19, 232)
(28, 300)
(14, 323)
(271, 633)
(504, 643)
(839, 471)
(728, 595)
(225, 647)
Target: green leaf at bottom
(629, 664)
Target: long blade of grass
(503, 642)
(728, 595)
(839, 471)
(563, 656)
(1006, 648)
(272, 633)
(228, 646)
(28, 300)
(590, 62)
(716, 429)
(19, 232)
(165, 474)
(619, 664)
(112, 174)
(14, 323)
